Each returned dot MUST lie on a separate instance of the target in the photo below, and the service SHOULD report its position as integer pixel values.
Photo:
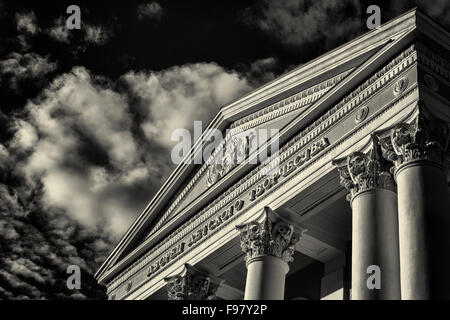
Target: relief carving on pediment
(234, 151)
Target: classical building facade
(354, 205)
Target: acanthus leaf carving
(275, 238)
(191, 285)
(177, 287)
(363, 171)
(424, 139)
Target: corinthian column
(375, 255)
(269, 247)
(418, 152)
(191, 284)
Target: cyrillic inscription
(196, 236)
(283, 171)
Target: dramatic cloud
(174, 98)
(98, 35)
(36, 246)
(83, 128)
(83, 162)
(27, 26)
(26, 22)
(301, 22)
(99, 153)
(322, 25)
(71, 179)
(151, 10)
(19, 67)
(59, 31)
(92, 34)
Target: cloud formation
(322, 24)
(59, 31)
(99, 152)
(36, 246)
(17, 67)
(175, 97)
(84, 159)
(299, 23)
(86, 151)
(27, 23)
(96, 34)
(152, 10)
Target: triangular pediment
(287, 104)
(264, 122)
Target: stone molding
(274, 237)
(370, 87)
(361, 171)
(289, 104)
(192, 284)
(423, 139)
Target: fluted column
(269, 247)
(191, 284)
(375, 246)
(418, 152)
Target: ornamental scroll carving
(424, 139)
(275, 238)
(191, 285)
(363, 171)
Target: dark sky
(86, 115)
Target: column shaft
(266, 277)
(375, 242)
(424, 225)
(375, 248)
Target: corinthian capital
(192, 284)
(362, 171)
(276, 238)
(424, 139)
